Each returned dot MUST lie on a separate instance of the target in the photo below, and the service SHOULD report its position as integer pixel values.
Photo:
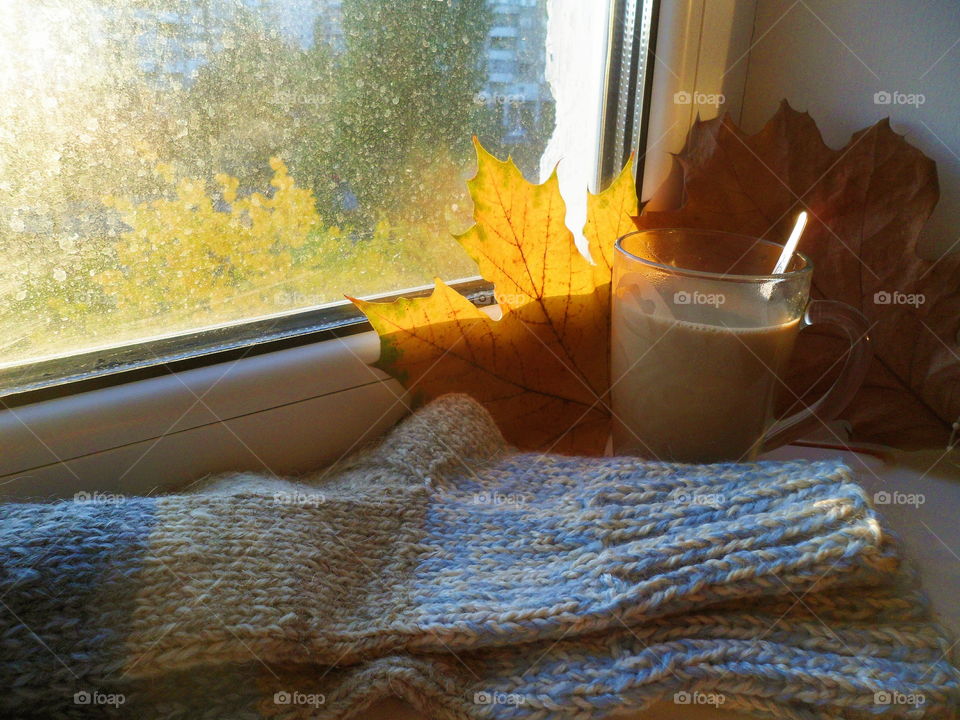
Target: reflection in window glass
(168, 165)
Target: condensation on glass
(169, 165)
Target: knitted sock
(863, 652)
(440, 539)
(839, 664)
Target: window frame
(625, 105)
(628, 81)
(56, 377)
(285, 404)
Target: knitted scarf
(475, 582)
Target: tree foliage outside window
(167, 165)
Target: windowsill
(928, 533)
(116, 364)
(283, 412)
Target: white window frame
(298, 408)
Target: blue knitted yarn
(819, 656)
(68, 583)
(565, 544)
(579, 585)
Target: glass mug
(701, 332)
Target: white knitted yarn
(440, 540)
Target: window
(180, 176)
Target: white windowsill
(283, 412)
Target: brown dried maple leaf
(867, 202)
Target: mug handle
(838, 396)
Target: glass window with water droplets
(173, 165)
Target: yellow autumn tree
(191, 253)
(195, 258)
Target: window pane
(168, 165)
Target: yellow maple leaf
(610, 215)
(542, 369)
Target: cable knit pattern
(441, 564)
